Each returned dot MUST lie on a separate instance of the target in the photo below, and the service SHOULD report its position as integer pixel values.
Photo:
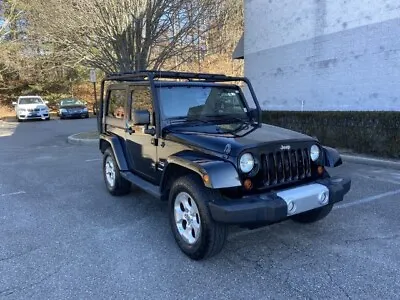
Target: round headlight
(246, 163)
(314, 152)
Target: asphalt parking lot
(63, 236)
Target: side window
(116, 104)
(142, 99)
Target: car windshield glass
(70, 102)
(30, 101)
(197, 102)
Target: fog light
(323, 198)
(291, 207)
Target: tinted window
(116, 103)
(141, 99)
(183, 101)
(71, 102)
(30, 101)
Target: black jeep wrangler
(196, 141)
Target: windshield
(201, 101)
(30, 101)
(70, 102)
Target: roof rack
(154, 74)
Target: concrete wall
(324, 55)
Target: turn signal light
(206, 178)
(248, 185)
(320, 170)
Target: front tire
(196, 233)
(115, 183)
(313, 215)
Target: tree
(122, 35)
(8, 15)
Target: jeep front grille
(286, 166)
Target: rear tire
(313, 215)
(197, 234)
(115, 183)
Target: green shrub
(374, 133)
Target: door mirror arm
(150, 131)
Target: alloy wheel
(187, 218)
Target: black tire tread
(216, 232)
(122, 186)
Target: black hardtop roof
(172, 83)
(146, 75)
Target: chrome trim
(305, 198)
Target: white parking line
(368, 199)
(95, 159)
(12, 194)
(378, 179)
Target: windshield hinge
(154, 141)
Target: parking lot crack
(13, 290)
(342, 289)
(19, 254)
(373, 238)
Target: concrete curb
(376, 162)
(76, 140)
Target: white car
(31, 107)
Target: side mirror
(141, 117)
(46, 102)
(14, 103)
(253, 113)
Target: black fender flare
(221, 174)
(117, 148)
(331, 157)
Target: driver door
(141, 146)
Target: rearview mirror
(141, 117)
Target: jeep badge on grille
(285, 147)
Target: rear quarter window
(116, 104)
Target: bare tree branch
(126, 34)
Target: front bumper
(33, 115)
(74, 115)
(278, 206)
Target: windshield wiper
(180, 120)
(229, 117)
(207, 119)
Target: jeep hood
(239, 136)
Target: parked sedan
(31, 107)
(72, 108)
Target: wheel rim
(110, 171)
(187, 218)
